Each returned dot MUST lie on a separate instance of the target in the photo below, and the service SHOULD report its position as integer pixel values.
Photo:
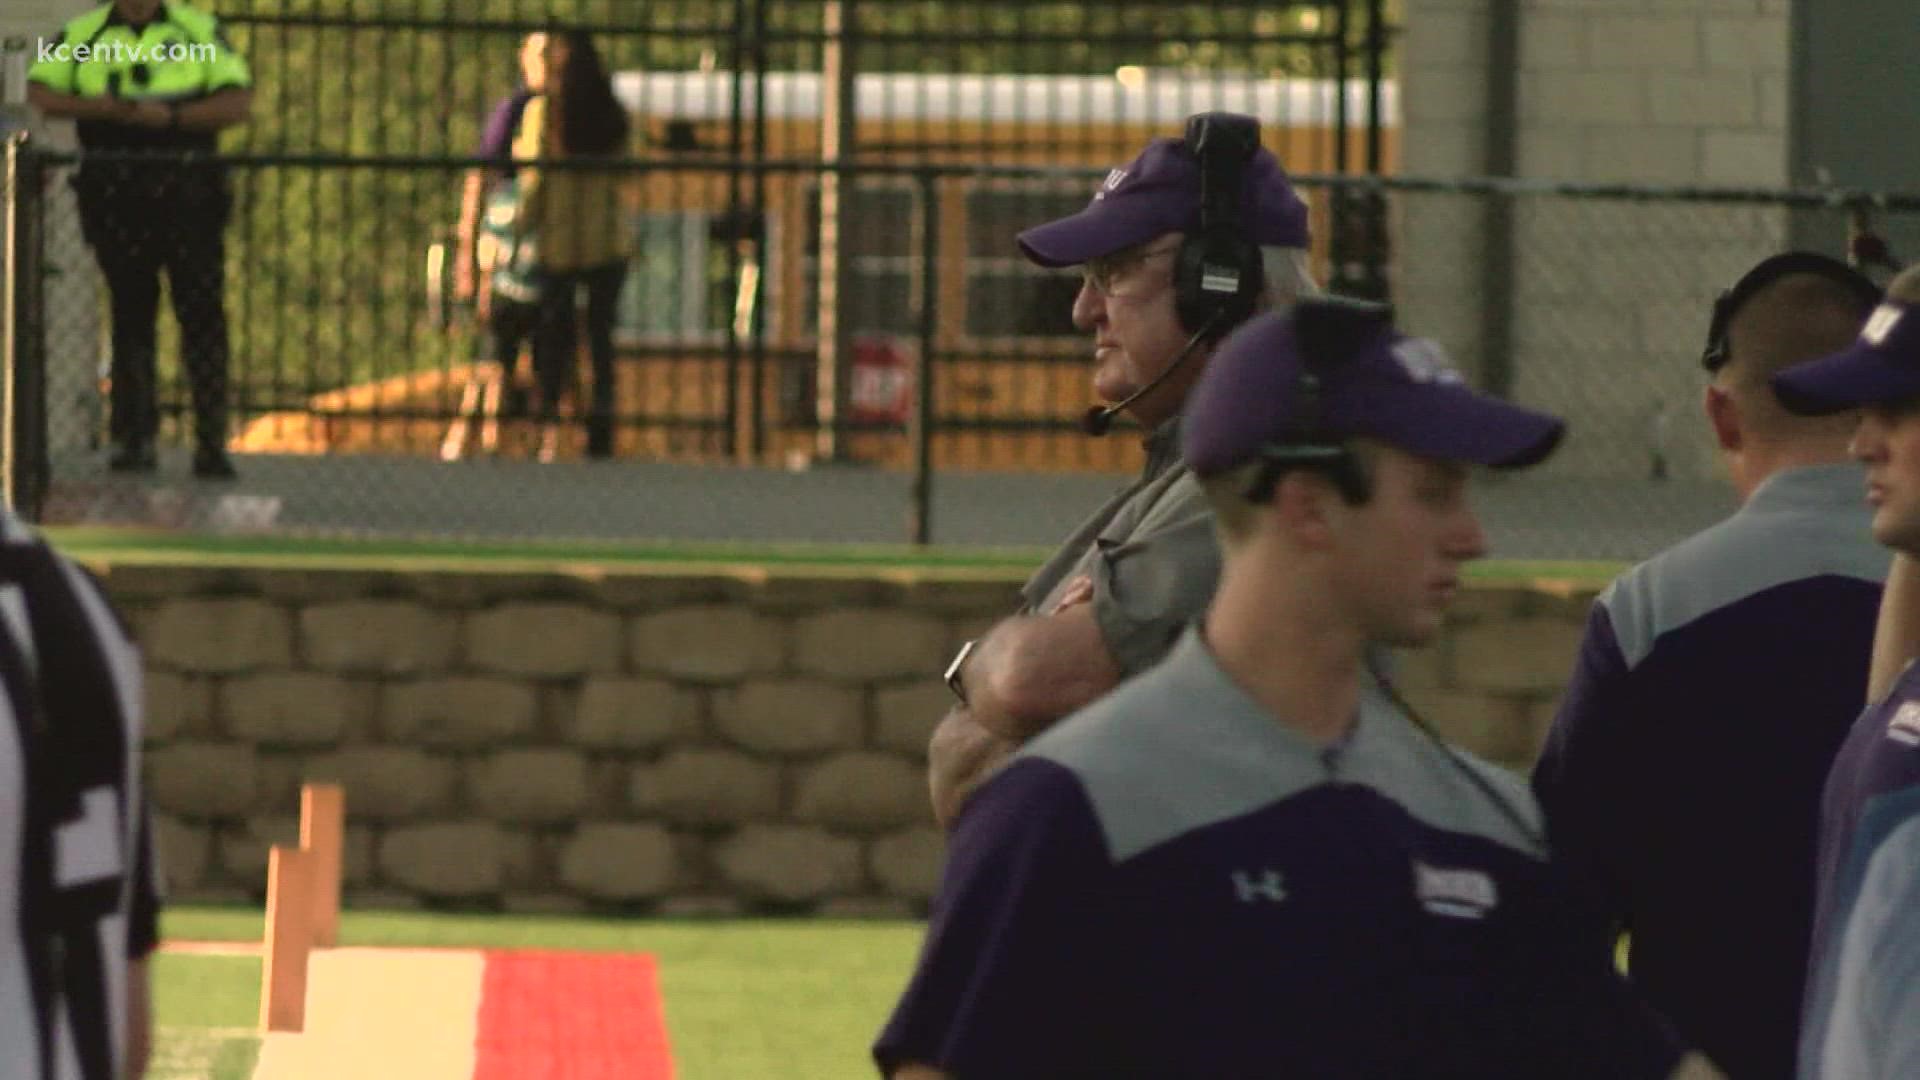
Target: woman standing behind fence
(575, 215)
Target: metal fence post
(920, 520)
(23, 405)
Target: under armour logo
(1268, 886)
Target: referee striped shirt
(79, 891)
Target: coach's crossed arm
(1022, 676)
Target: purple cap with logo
(1398, 390)
(1159, 192)
(1882, 366)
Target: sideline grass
(744, 998)
(204, 1012)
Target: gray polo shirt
(1151, 553)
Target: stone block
(177, 705)
(707, 787)
(1446, 39)
(1656, 42)
(1551, 41)
(201, 780)
(907, 715)
(543, 904)
(788, 595)
(1748, 43)
(543, 640)
(523, 865)
(1484, 602)
(1583, 97)
(1530, 655)
(445, 859)
(387, 783)
(1492, 726)
(790, 716)
(700, 907)
(1552, 155)
(865, 908)
(1720, 99)
(611, 861)
(1420, 669)
(787, 863)
(935, 596)
(1446, 148)
(291, 708)
(634, 714)
(386, 637)
(463, 711)
(1445, 95)
(1540, 716)
(646, 591)
(906, 864)
(219, 636)
(1647, 155)
(871, 643)
(706, 643)
(276, 782)
(182, 852)
(1745, 158)
(243, 849)
(863, 791)
(544, 785)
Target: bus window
(1007, 296)
(887, 260)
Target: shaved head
(1799, 317)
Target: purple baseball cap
(1882, 366)
(1399, 390)
(1159, 192)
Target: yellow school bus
(1008, 365)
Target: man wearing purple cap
(1249, 861)
(1176, 249)
(1862, 1009)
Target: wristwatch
(954, 670)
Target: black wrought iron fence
(363, 401)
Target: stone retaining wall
(570, 742)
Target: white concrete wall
(1611, 298)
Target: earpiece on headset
(1217, 271)
(1328, 332)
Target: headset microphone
(1099, 420)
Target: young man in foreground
(1245, 862)
(1862, 1016)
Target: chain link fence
(364, 395)
(359, 403)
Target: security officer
(147, 77)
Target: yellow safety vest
(178, 56)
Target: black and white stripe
(78, 888)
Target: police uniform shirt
(1863, 994)
(168, 69)
(1151, 553)
(1171, 883)
(1682, 777)
(85, 851)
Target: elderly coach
(1176, 248)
